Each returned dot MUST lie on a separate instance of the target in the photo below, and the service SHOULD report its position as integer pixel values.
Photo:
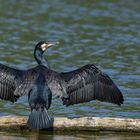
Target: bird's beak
(45, 46)
(52, 44)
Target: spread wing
(82, 85)
(15, 83)
(89, 83)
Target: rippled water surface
(106, 33)
(68, 136)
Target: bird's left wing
(87, 83)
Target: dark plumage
(40, 98)
(40, 83)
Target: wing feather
(89, 83)
(15, 83)
(8, 82)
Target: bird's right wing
(15, 83)
(8, 82)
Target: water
(106, 33)
(68, 136)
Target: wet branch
(84, 123)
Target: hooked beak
(52, 44)
(48, 45)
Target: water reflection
(69, 136)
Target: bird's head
(42, 46)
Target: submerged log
(84, 123)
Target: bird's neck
(40, 60)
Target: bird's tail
(39, 119)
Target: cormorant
(40, 83)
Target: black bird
(40, 83)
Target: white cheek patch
(43, 47)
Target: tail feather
(39, 119)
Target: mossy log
(84, 123)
